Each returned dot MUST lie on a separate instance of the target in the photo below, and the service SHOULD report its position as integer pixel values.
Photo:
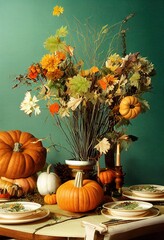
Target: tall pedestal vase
(87, 167)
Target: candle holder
(119, 180)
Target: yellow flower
(58, 10)
(113, 62)
(49, 62)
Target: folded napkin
(125, 231)
(90, 230)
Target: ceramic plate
(38, 215)
(147, 190)
(127, 208)
(153, 212)
(17, 209)
(133, 196)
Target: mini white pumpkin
(48, 182)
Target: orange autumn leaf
(54, 108)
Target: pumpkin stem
(132, 106)
(17, 147)
(49, 168)
(79, 179)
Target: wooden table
(70, 228)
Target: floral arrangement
(94, 104)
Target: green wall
(24, 26)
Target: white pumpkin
(48, 182)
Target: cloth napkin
(126, 230)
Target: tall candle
(118, 161)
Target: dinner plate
(17, 209)
(133, 196)
(153, 212)
(147, 190)
(35, 216)
(127, 208)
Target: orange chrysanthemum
(60, 56)
(50, 62)
(56, 74)
(54, 108)
(58, 10)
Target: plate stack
(21, 212)
(129, 209)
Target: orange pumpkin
(130, 107)
(50, 198)
(79, 195)
(107, 176)
(21, 154)
(27, 184)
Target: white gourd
(48, 182)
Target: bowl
(147, 190)
(128, 208)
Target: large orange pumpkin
(79, 195)
(21, 154)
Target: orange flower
(84, 73)
(110, 79)
(94, 69)
(33, 71)
(54, 108)
(60, 56)
(103, 84)
(49, 62)
(106, 81)
(56, 74)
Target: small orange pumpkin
(130, 107)
(50, 198)
(21, 154)
(107, 176)
(79, 195)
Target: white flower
(29, 104)
(74, 103)
(103, 146)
